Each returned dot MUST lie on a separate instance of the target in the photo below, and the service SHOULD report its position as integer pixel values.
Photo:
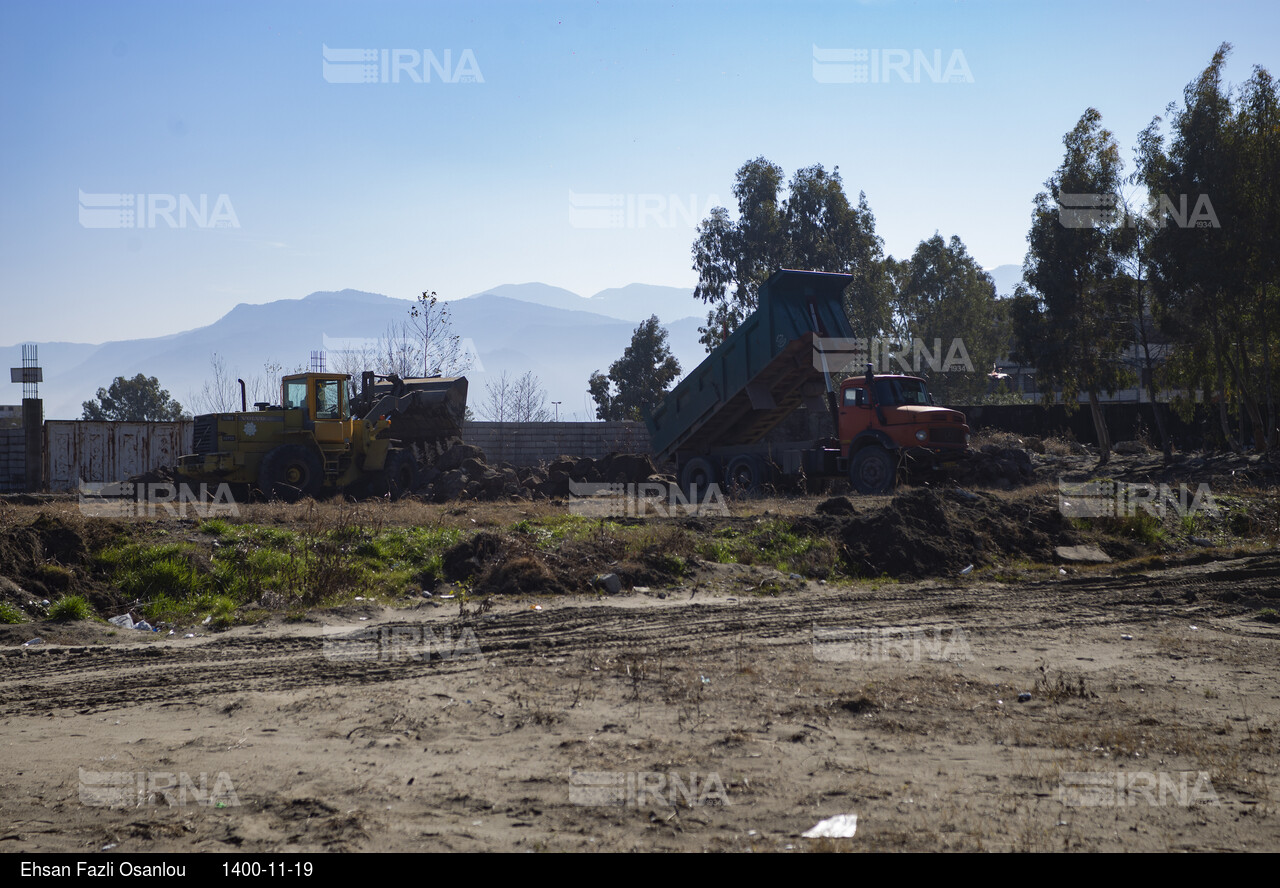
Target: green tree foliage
(639, 379)
(1215, 251)
(133, 400)
(945, 300)
(815, 227)
(1071, 323)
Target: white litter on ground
(842, 826)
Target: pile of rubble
(995, 466)
(461, 472)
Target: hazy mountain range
(561, 336)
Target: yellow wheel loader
(320, 440)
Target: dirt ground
(1022, 706)
(1151, 723)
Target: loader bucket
(425, 410)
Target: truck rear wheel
(290, 472)
(746, 474)
(873, 470)
(697, 475)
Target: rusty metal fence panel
(106, 452)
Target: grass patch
(9, 615)
(326, 561)
(70, 608)
(1141, 526)
(780, 546)
(216, 527)
(720, 551)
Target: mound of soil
(470, 556)
(462, 473)
(993, 466)
(923, 532)
(48, 558)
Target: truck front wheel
(873, 470)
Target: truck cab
(907, 415)
(893, 418)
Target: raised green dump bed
(761, 373)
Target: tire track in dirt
(87, 678)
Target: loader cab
(322, 398)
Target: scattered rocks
(611, 583)
(462, 473)
(1082, 554)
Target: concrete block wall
(529, 443)
(13, 462)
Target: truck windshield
(895, 392)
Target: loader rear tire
(399, 475)
(290, 472)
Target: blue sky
(599, 133)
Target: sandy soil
(701, 717)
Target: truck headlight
(921, 434)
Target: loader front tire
(399, 475)
(290, 472)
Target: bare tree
(498, 395)
(218, 394)
(529, 403)
(264, 388)
(442, 350)
(399, 351)
(514, 399)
